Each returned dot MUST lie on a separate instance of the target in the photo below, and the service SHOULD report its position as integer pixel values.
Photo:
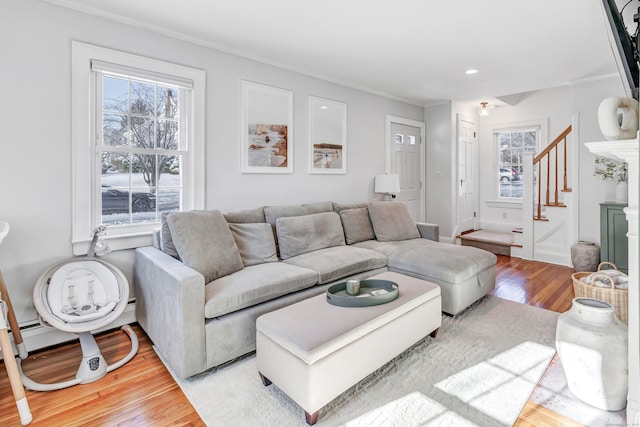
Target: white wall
(35, 177)
(556, 106)
(439, 152)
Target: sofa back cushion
(337, 207)
(301, 234)
(272, 213)
(357, 225)
(205, 243)
(245, 216)
(392, 221)
(255, 243)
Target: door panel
(405, 154)
(467, 136)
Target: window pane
(530, 141)
(168, 137)
(114, 129)
(511, 146)
(167, 102)
(169, 165)
(142, 132)
(143, 98)
(169, 199)
(146, 166)
(115, 94)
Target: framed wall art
(327, 136)
(267, 114)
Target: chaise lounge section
(210, 275)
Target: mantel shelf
(624, 149)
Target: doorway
(467, 135)
(405, 157)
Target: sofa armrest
(170, 308)
(429, 231)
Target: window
(138, 149)
(512, 144)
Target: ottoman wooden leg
(434, 333)
(311, 418)
(266, 381)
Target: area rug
(479, 371)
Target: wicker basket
(618, 298)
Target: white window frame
(541, 126)
(84, 134)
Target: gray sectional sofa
(210, 275)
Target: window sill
(116, 243)
(503, 204)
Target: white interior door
(467, 139)
(406, 161)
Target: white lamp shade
(389, 183)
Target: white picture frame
(327, 136)
(267, 134)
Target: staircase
(548, 233)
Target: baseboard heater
(36, 336)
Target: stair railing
(546, 153)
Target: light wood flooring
(143, 393)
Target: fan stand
(92, 367)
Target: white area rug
(480, 370)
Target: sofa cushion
(337, 207)
(442, 262)
(166, 242)
(272, 213)
(338, 262)
(205, 243)
(392, 221)
(392, 248)
(255, 243)
(245, 216)
(357, 225)
(254, 285)
(301, 234)
(318, 207)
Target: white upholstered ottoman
(314, 351)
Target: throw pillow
(301, 234)
(255, 243)
(205, 243)
(357, 225)
(166, 242)
(392, 221)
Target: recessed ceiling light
(323, 107)
(471, 71)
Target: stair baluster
(538, 159)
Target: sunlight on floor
(411, 410)
(496, 384)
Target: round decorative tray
(372, 292)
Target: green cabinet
(613, 235)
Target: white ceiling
(415, 50)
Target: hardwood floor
(143, 393)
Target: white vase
(592, 346)
(622, 192)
